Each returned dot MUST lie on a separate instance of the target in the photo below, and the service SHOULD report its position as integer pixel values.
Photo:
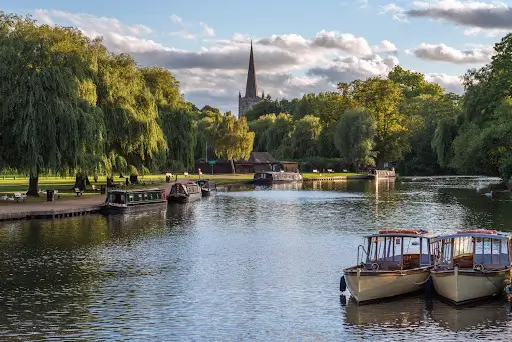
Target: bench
(78, 192)
(330, 171)
(19, 197)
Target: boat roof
(414, 233)
(468, 234)
(185, 181)
(136, 190)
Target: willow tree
(130, 111)
(48, 117)
(174, 117)
(232, 138)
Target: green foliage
(304, 138)
(382, 97)
(259, 127)
(354, 138)
(232, 138)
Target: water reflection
(246, 264)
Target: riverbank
(68, 204)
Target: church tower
(251, 90)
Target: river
(246, 264)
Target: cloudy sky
(300, 46)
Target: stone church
(251, 90)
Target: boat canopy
(400, 232)
(470, 234)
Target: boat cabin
(128, 197)
(185, 188)
(474, 249)
(391, 250)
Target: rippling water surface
(246, 264)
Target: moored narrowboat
(272, 177)
(207, 187)
(122, 200)
(183, 191)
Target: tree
(304, 138)
(424, 115)
(233, 140)
(259, 127)
(354, 138)
(382, 97)
(413, 84)
(131, 112)
(277, 136)
(47, 98)
(174, 117)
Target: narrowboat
(207, 187)
(183, 191)
(389, 264)
(470, 265)
(122, 200)
(272, 177)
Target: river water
(247, 264)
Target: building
(258, 162)
(251, 90)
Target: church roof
(251, 90)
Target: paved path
(13, 210)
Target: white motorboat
(471, 265)
(391, 263)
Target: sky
(299, 46)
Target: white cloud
(447, 82)
(176, 19)
(385, 46)
(287, 65)
(207, 31)
(397, 12)
(444, 53)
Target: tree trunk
(232, 166)
(33, 185)
(87, 181)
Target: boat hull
(366, 286)
(462, 286)
(206, 192)
(183, 198)
(108, 208)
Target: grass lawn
(65, 184)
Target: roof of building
(262, 158)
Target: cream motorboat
(470, 265)
(393, 262)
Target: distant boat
(272, 177)
(184, 190)
(382, 174)
(123, 200)
(471, 265)
(390, 263)
(207, 187)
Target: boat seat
(494, 267)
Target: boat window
(444, 253)
(131, 198)
(491, 251)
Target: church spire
(251, 90)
